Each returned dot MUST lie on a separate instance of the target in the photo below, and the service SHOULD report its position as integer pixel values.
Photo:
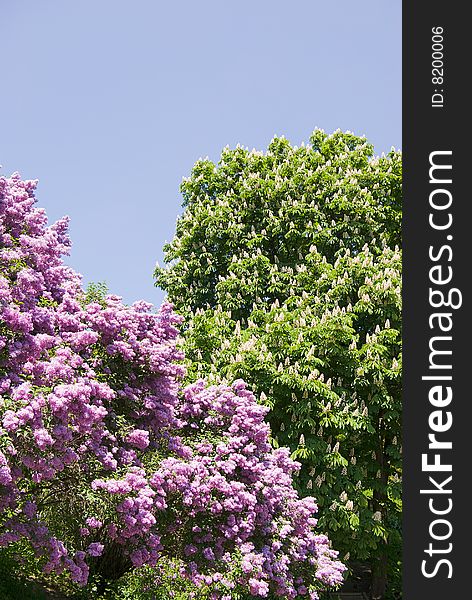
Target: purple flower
(93, 523)
(95, 549)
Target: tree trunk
(380, 566)
(379, 576)
(110, 566)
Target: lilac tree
(106, 464)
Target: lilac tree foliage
(106, 464)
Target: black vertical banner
(437, 364)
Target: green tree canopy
(287, 267)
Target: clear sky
(110, 102)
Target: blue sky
(109, 103)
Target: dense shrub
(106, 465)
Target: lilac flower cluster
(236, 492)
(91, 407)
